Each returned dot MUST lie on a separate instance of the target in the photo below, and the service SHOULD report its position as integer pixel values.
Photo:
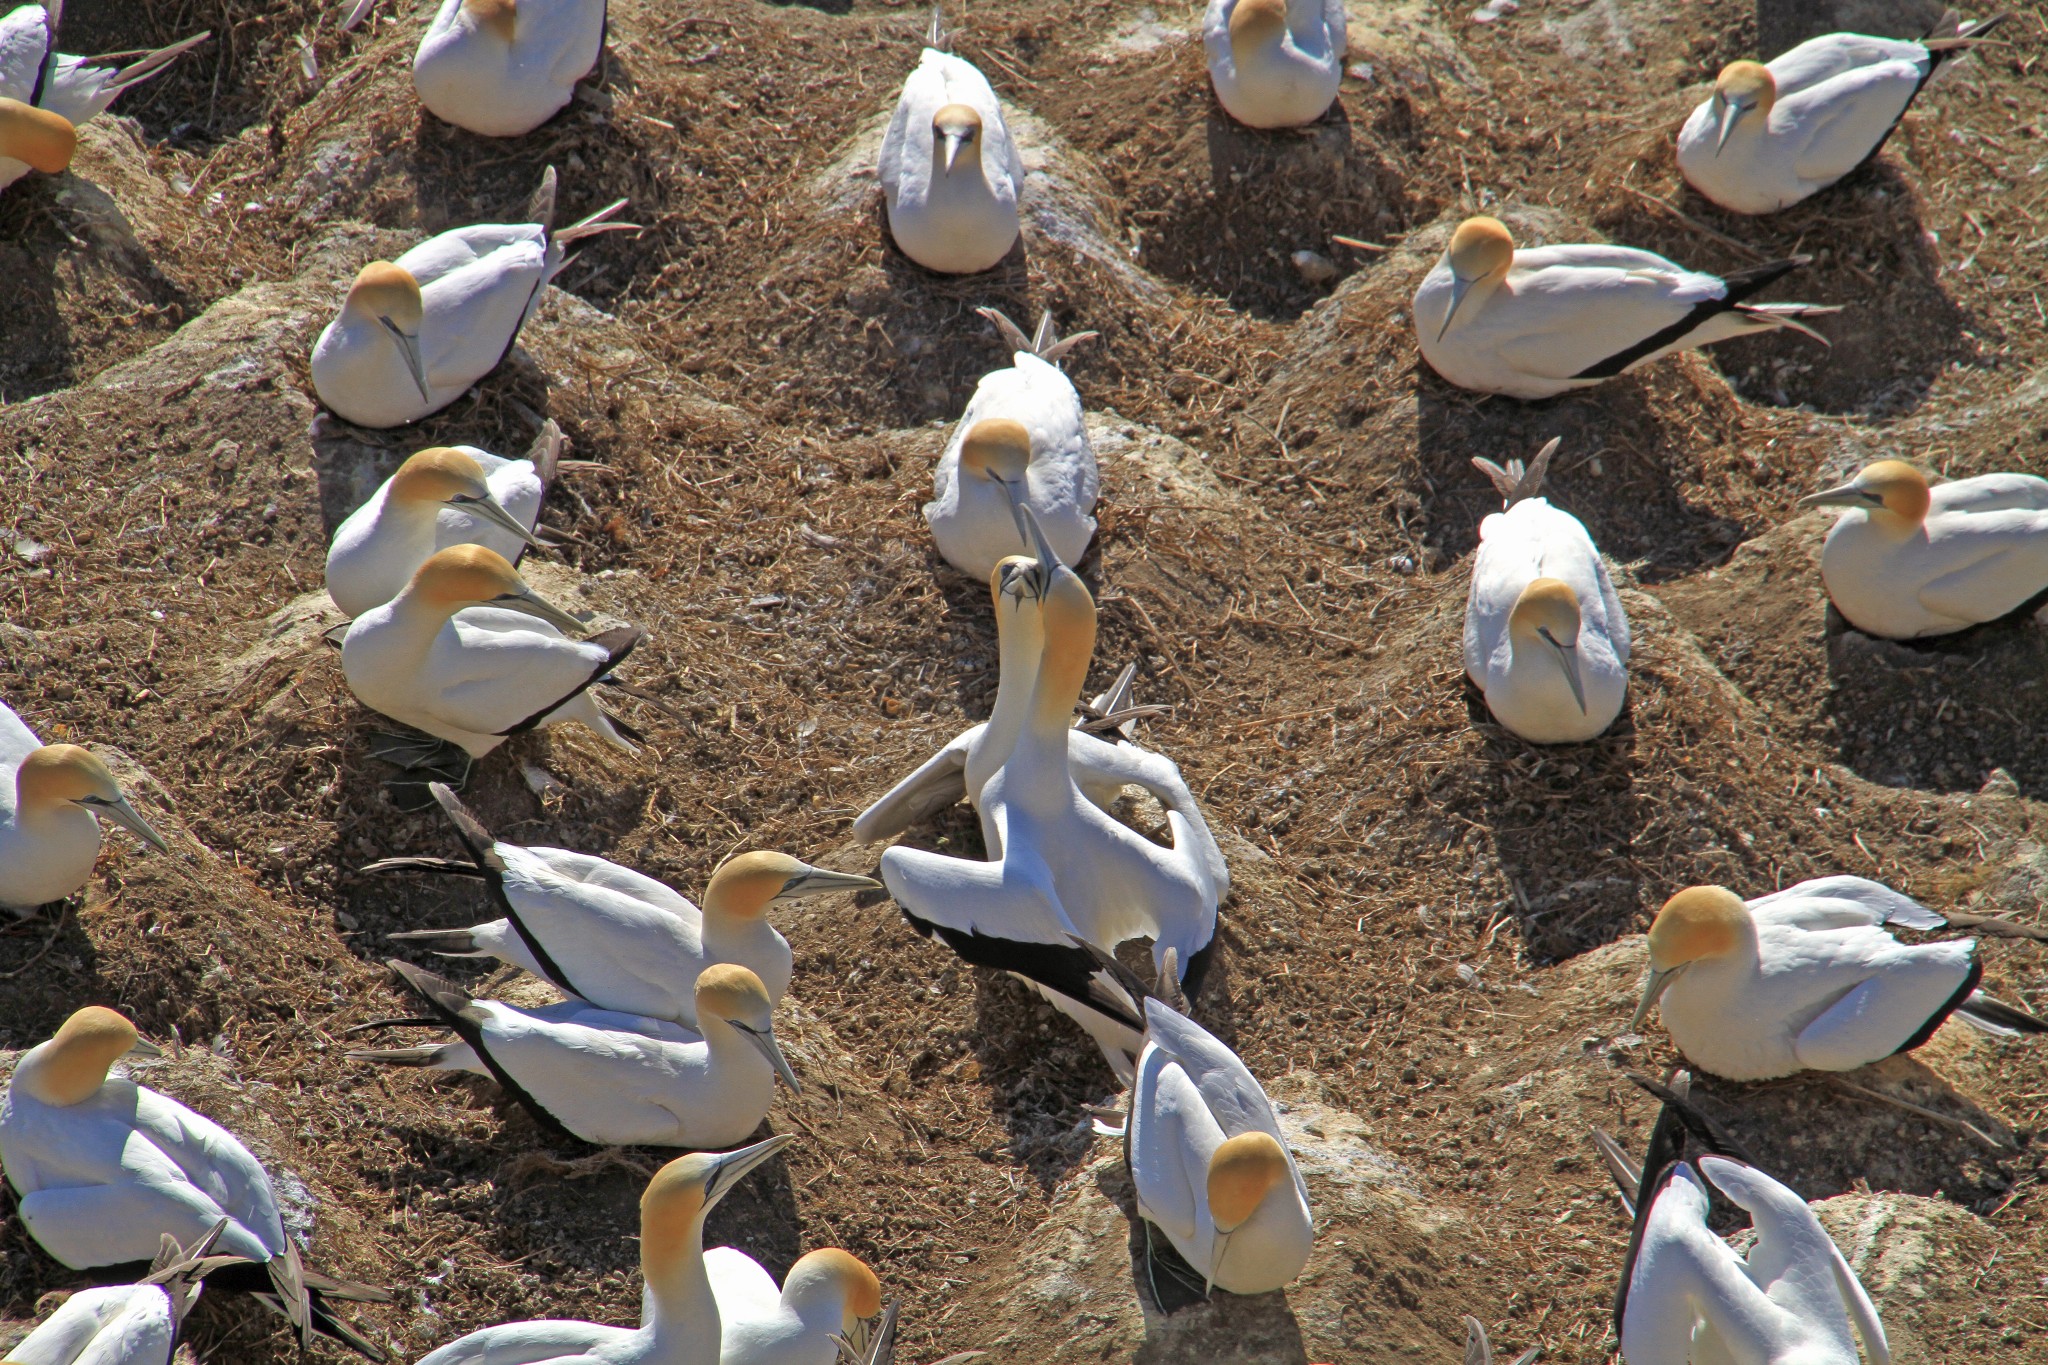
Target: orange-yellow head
(45, 140)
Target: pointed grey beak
(121, 813)
(1731, 113)
(1568, 660)
(1653, 988)
(1850, 494)
(410, 346)
(533, 604)
(822, 881)
(1015, 498)
(1460, 286)
(734, 1165)
(144, 1048)
(954, 142)
(493, 511)
(1216, 1262)
(1046, 555)
(764, 1042)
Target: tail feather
(593, 224)
(1998, 1018)
(447, 942)
(425, 1055)
(475, 836)
(1789, 315)
(546, 451)
(154, 64)
(446, 867)
(1955, 44)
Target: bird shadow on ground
(36, 353)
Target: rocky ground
(1434, 940)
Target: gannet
(1101, 768)
(49, 796)
(126, 1324)
(415, 333)
(616, 938)
(1209, 1164)
(1808, 978)
(825, 1294)
(1774, 133)
(1275, 63)
(608, 1077)
(1066, 870)
(73, 89)
(504, 67)
(458, 655)
(1538, 322)
(679, 1311)
(1546, 638)
(440, 496)
(1909, 560)
(1687, 1296)
(951, 174)
(105, 1169)
(1021, 443)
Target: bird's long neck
(680, 1310)
(416, 619)
(1020, 640)
(966, 183)
(1038, 761)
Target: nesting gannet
(1545, 636)
(49, 796)
(1021, 443)
(608, 1077)
(504, 67)
(1275, 63)
(1686, 1295)
(616, 938)
(415, 333)
(459, 655)
(126, 1324)
(1101, 767)
(63, 87)
(1808, 978)
(1066, 869)
(1210, 1165)
(440, 496)
(105, 1169)
(1774, 133)
(1538, 322)
(825, 1295)
(951, 173)
(1909, 560)
(679, 1311)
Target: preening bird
(1775, 133)
(105, 1169)
(825, 1295)
(679, 1309)
(504, 67)
(415, 333)
(1021, 443)
(1275, 63)
(1546, 638)
(440, 496)
(1542, 321)
(616, 938)
(1808, 978)
(951, 173)
(126, 1324)
(34, 74)
(471, 655)
(607, 1077)
(52, 798)
(1908, 560)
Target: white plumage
(49, 796)
(502, 68)
(1690, 1297)
(1192, 1095)
(127, 1324)
(825, 1294)
(951, 173)
(1275, 63)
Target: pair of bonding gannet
(415, 333)
(615, 937)
(45, 94)
(1542, 321)
(1545, 636)
(1021, 443)
(105, 1169)
(52, 798)
(1808, 978)
(441, 496)
(613, 1078)
(471, 655)
(1061, 869)
(1275, 63)
(1909, 560)
(951, 173)
(504, 67)
(1773, 134)
(126, 1324)
(697, 1308)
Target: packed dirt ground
(1434, 940)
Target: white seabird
(125, 1324)
(825, 1295)
(1275, 63)
(50, 795)
(504, 67)
(951, 173)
